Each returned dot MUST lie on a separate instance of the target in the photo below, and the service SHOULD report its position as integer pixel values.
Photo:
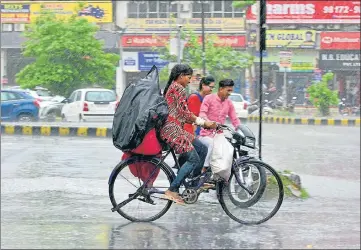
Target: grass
(283, 113)
(287, 182)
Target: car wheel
(63, 118)
(25, 118)
(81, 119)
(51, 117)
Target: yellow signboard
(303, 66)
(27, 11)
(291, 38)
(211, 24)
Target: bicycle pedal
(150, 201)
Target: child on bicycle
(174, 134)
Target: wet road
(54, 194)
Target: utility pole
(203, 41)
(179, 49)
(262, 47)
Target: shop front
(346, 67)
(140, 53)
(340, 54)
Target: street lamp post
(262, 47)
(203, 41)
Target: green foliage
(67, 55)
(221, 61)
(321, 96)
(243, 3)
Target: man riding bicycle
(216, 107)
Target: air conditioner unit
(185, 7)
(333, 26)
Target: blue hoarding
(148, 59)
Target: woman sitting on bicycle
(173, 132)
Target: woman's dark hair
(177, 70)
(206, 81)
(226, 83)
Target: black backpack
(141, 108)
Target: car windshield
(236, 98)
(42, 92)
(100, 96)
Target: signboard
(233, 41)
(15, 13)
(340, 40)
(130, 61)
(285, 59)
(303, 67)
(340, 60)
(144, 41)
(288, 38)
(162, 41)
(329, 12)
(94, 11)
(148, 59)
(166, 24)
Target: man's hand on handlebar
(210, 125)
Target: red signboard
(340, 40)
(330, 12)
(161, 41)
(144, 41)
(233, 41)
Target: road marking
(45, 130)
(27, 130)
(9, 129)
(83, 131)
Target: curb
(305, 121)
(56, 131)
(107, 132)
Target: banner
(340, 40)
(148, 59)
(94, 11)
(328, 12)
(162, 41)
(15, 13)
(167, 24)
(287, 38)
(340, 60)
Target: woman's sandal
(179, 201)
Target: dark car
(17, 105)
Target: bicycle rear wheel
(268, 202)
(139, 184)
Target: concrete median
(305, 121)
(97, 130)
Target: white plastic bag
(221, 158)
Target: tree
(243, 3)
(67, 55)
(321, 96)
(221, 61)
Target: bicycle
(248, 175)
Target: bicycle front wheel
(139, 184)
(261, 208)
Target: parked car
(239, 104)
(50, 110)
(92, 104)
(17, 105)
(40, 93)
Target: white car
(92, 104)
(240, 105)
